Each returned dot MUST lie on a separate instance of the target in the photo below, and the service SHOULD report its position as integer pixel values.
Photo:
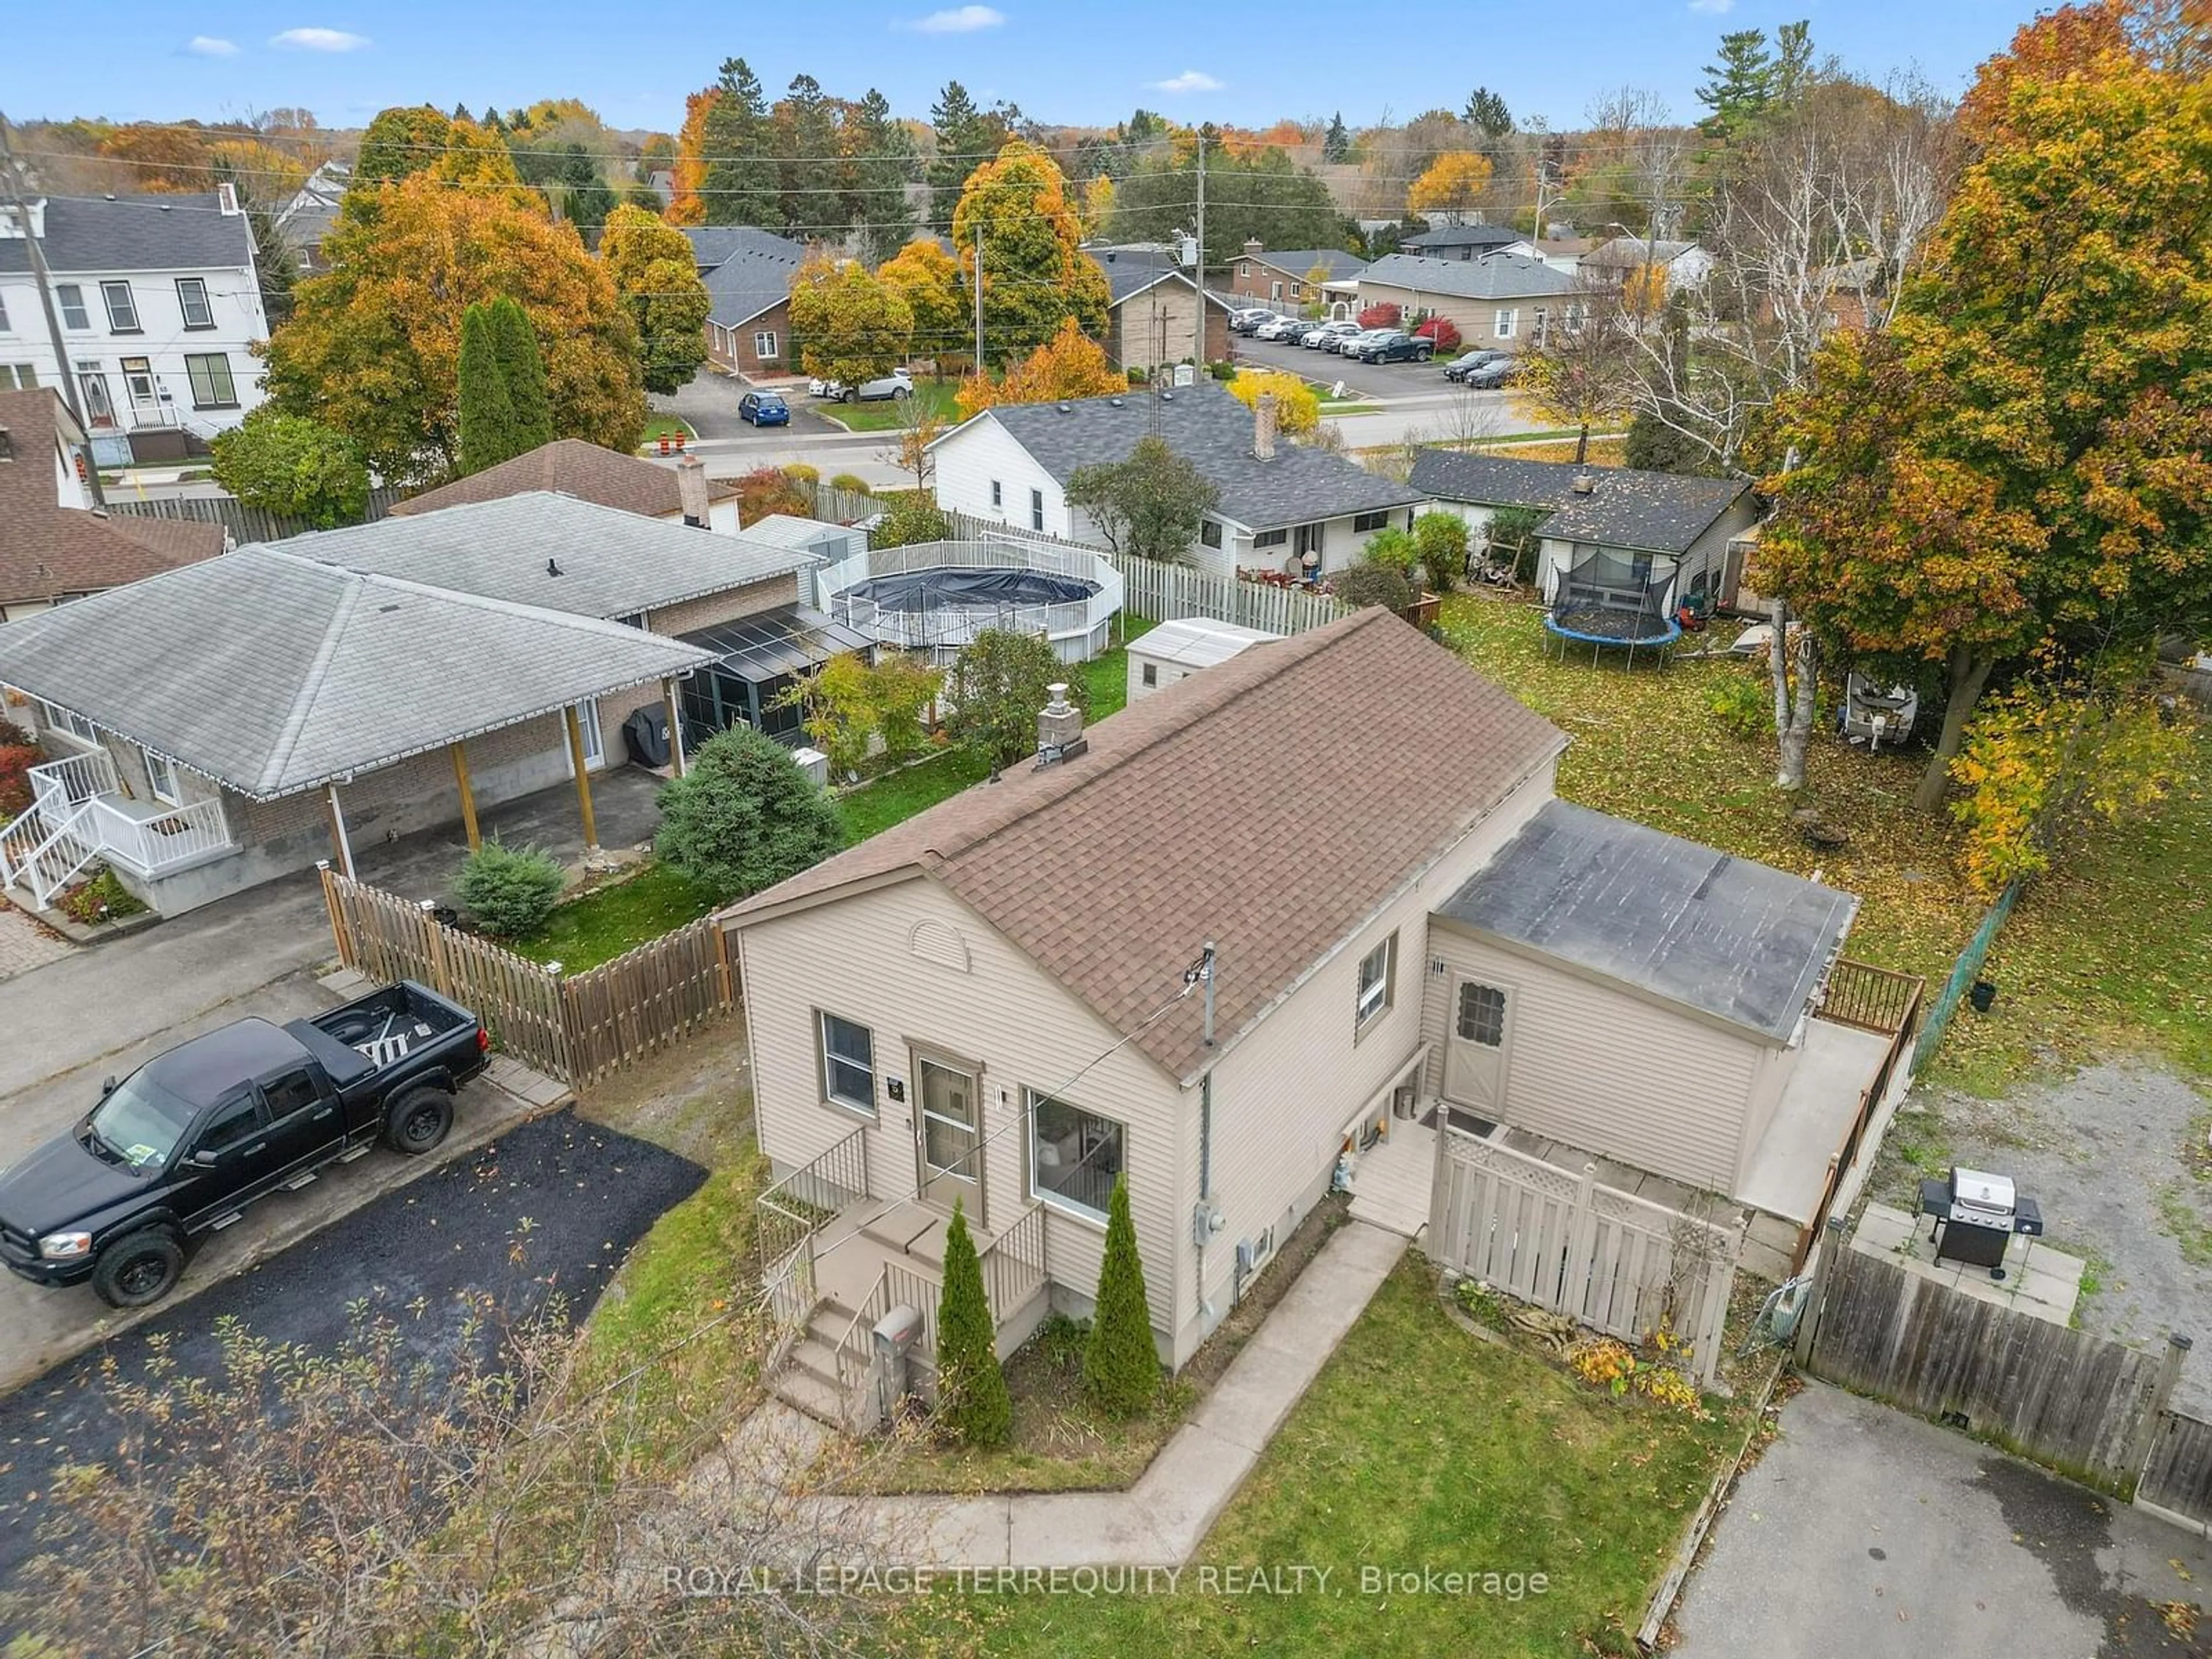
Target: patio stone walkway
(2038, 1280)
(25, 944)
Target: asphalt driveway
(587, 1193)
(1867, 1532)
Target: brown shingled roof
(48, 550)
(1273, 802)
(571, 467)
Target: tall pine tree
(967, 136)
(971, 1390)
(1121, 1367)
(1739, 88)
(883, 163)
(740, 184)
(805, 125)
(1336, 143)
(487, 420)
(522, 373)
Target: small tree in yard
(1371, 583)
(1121, 1367)
(971, 1390)
(742, 816)
(768, 489)
(1151, 506)
(849, 706)
(1441, 330)
(999, 685)
(522, 366)
(1440, 540)
(1395, 548)
(510, 890)
(1297, 405)
(911, 519)
(487, 420)
(288, 464)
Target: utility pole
(979, 291)
(1198, 265)
(45, 280)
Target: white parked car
(896, 383)
(1325, 338)
(1276, 330)
(1351, 345)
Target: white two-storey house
(159, 304)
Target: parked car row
(896, 383)
(1485, 370)
(1338, 336)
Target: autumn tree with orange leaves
(688, 207)
(1035, 272)
(2019, 464)
(1068, 365)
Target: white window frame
(1363, 524)
(1058, 1201)
(998, 496)
(1373, 998)
(1274, 290)
(192, 379)
(108, 290)
(828, 1062)
(192, 290)
(159, 767)
(19, 377)
(1210, 532)
(67, 723)
(1036, 509)
(766, 346)
(1503, 1005)
(1508, 319)
(70, 297)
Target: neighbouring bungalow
(1252, 936)
(54, 546)
(1287, 279)
(1152, 318)
(1612, 263)
(1282, 507)
(1465, 242)
(1501, 299)
(1640, 541)
(748, 274)
(683, 494)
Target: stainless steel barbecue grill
(1977, 1215)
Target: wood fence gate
(576, 1027)
(1606, 1258)
(2177, 1476)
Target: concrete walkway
(1160, 1521)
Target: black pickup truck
(182, 1145)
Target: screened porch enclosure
(759, 661)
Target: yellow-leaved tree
(1297, 405)
(1452, 187)
(851, 326)
(924, 276)
(1070, 365)
(373, 348)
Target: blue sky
(1084, 61)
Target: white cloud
(207, 45)
(960, 19)
(319, 40)
(1189, 81)
(1716, 7)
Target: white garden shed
(1173, 651)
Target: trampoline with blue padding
(1612, 600)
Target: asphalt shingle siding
(1213, 431)
(274, 673)
(612, 564)
(136, 233)
(1646, 512)
(1728, 936)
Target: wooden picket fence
(1606, 1258)
(2089, 1407)
(575, 1027)
(245, 524)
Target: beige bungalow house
(1232, 945)
(1504, 298)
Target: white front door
(1475, 1053)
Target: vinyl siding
(1476, 319)
(1283, 1095)
(967, 461)
(854, 957)
(1604, 1068)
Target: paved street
(587, 1193)
(1866, 1532)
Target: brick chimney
(691, 490)
(1585, 483)
(1252, 246)
(1060, 728)
(1263, 427)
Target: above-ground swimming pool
(944, 589)
(937, 596)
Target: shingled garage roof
(1093, 867)
(611, 563)
(48, 550)
(274, 673)
(1464, 236)
(94, 234)
(1493, 276)
(1737, 939)
(569, 466)
(1213, 431)
(1626, 508)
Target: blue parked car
(764, 409)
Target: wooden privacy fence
(1606, 1258)
(245, 524)
(2086, 1407)
(576, 1027)
(2177, 1476)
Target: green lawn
(936, 396)
(2077, 981)
(602, 925)
(1420, 1446)
(657, 427)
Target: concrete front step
(807, 1379)
(804, 1391)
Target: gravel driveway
(588, 1192)
(2117, 1156)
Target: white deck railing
(952, 625)
(80, 814)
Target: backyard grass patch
(936, 396)
(604, 923)
(1421, 1446)
(2080, 978)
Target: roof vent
(1167, 397)
(1067, 408)
(552, 568)
(1585, 483)
(1117, 402)
(385, 610)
